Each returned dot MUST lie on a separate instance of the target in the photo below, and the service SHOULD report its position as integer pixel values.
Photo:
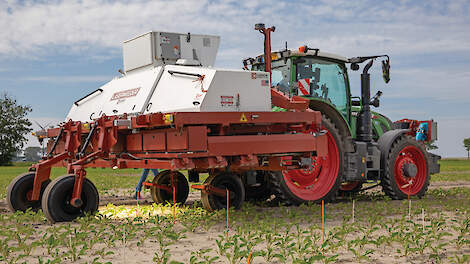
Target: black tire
(224, 180)
(281, 189)
(18, 191)
(260, 191)
(56, 199)
(390, 183)
(164, 178)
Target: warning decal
(304, 87)
(259, 75)
(243, 118)
(226, 100)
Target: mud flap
(434, 166)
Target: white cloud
(348, 27)
(96, 28)
(68, 79)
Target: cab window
(322, 79)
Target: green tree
(32, 153)
(13, 127)
(466, 144)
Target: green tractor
(365, 148)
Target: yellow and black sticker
(243, 118)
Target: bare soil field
(382, 231)
(367, 227)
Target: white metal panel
(90, 107)
(200, 47)
(236, 90)
(137, 52)
(220, 90)
(127, 94)
(179, 92)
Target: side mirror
(386, 70)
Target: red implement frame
(177, 141)
(413, 127)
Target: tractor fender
(385, 143)
(338, 120)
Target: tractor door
(323, 80)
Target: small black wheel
(406, 169)
(224, 180)
(260, 191)
(20, 190)
(163, 196)
(56, 199)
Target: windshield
(322, 79)
(280, 74)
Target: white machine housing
(162, 86)
(159, 48)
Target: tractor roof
(288, 53)
(320, 54)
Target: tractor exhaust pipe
(364, 128)
(267, 46)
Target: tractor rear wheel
(320, 183)
(227, 181)
(406, 169)
(56, 199)
(20, 190)
(164, 178)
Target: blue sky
(54, 52)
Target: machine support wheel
(260, 191)
(56, 199)
(224, 180)
(322, 182)
(20, 190)
(406, 170)
(164, 178)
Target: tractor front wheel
(165, 178)
(406, 169)
(20, 190)
(56, 199)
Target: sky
(54, 52)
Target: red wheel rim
(411, 155)
(315, 184)
(349, 186)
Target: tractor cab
(314, 75)
(322, 78)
